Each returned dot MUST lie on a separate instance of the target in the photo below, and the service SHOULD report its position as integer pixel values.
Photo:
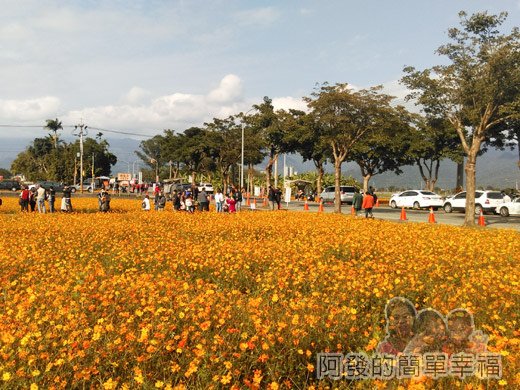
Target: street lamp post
(242, 153)
(133, 167)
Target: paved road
(387, 213)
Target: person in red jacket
(368, 204)
(24, 199)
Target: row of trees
(49, 158)
(469, 104)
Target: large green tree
(347, 117)
(305, 136)
(41, 161)
(433, 140)
(223, 140)
(478, 90)
(272, 126)
(254, 150)
(386, 148)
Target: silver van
(346, 193)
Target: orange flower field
(130, 299)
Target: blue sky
(144, 66)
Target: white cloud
(399, 91)
(175, 111)
(287, 102)
(230, 88)
(136, 95)
(29, 109)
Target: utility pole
(80, 133)
(92, 172)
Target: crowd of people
(188, 199)
(43, 200)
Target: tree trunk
(421, 171)
(319, 179)
(269, 169)
(366, 179)
(460, 176)
(250, 179)
(337, 182)
(469, 218)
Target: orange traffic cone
(431, 217)
(353, 211)
(248, 202)
(377, 203)
(254, 202)
(306, 205)
(481, 220)
(403, 215)
(265, 201)
(320, 209)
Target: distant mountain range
(495, 168)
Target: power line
(31, 126)
(72, 126)
(122, 132)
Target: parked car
(87, 186)
(509, 208)
(487, 201)
(207, 186)
(346, 193)
(58, 187)
(11, 185)
(418, 199)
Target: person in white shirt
(219, 200)
(40, 199)
(146, 203)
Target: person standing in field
(231, 202)
(190, 208)
(40, 199)
(238, 199)
(278, 197)
(162, 201)
(368, 204)
(219, 200)
(157, 193)
(32, 199)
(145, 205)
(51, 197)
(24, 199)
(176, 200)
(271, 196)
(202, 200)
(67, 193)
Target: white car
(509, 208)
(346, 194)
(207, 186)
(487, 201)
(418, 199)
